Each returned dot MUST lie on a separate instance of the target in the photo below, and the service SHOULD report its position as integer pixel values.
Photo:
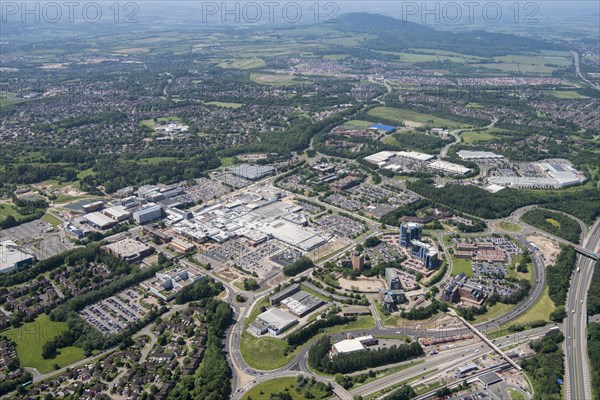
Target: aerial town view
(300, 200)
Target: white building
(12, 257)
(352, 345)
(448, 167)
(274, 321)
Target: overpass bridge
(585, 252)
(490, 344)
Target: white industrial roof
(415, 155)
(523, 181)
(493, 188)
(277, 318)
(469, 154)
(379, 157)
(117, 211)
(446, 166)
(350, 345)
(10, 254)
(99, 219)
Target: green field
(226, 161)
(264, 353)
(515, 394)
(535, 59)
(391, 140)
(8, 209)
(515, 67)
(263, 390)
(156, 160)
(274, 79)
(356, 124)
(7, 98)
(243, 63)
(494, 311)
(84, 173)
(150, 122)
(51, 219)
(565, 94)
(509, 226)
(553, 222)
(461, 265)
(471, 137)
(540, 311)
(401, 115)
(223, 104)
(335, 56)
(267, 353)
(31, 337)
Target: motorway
(578, 381)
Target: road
(298, 363)
(446, 359)
(516, 216)
(578, 71)
(578, 381)
(457, 138)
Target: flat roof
(449, 167)
(252, 171)
(117, 211)
(284, 292)
(489, 378)
(493, 188)
(127, 247)
(277, 318)
(467, 368)
(415, 155)
(474, 154)
(350, 345)
(379, 157)
(99, 219)
(10, 254)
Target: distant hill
(397, 35)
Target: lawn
(273, 79)
(8, 209)
(515, 394)
(461, 265)
(243, 63)
(84, 173)
(494, 311)
(267, 353)
(223, 104)
(336, 56)
(400, 115)
(31, 337)
(553, 222)
(510, 226)
(540, 311)
(516, 67)
(263, 390)
(226, 161)
(357, 124)
(51, 219)
(156, 160)
(391, 140)
(565, 94)
(471, 137)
